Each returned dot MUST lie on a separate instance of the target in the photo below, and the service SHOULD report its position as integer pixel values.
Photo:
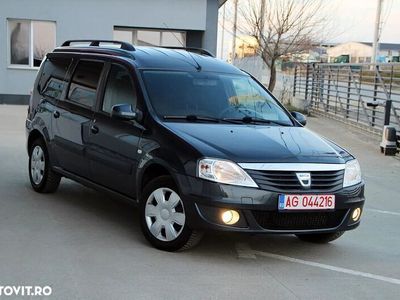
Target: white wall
(353, 49)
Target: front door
(114, 143)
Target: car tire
(320, 238)
(43, 179)
(163, 218)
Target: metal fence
(364, 94)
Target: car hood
(255, 143)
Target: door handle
(94, 129)
(56, 114)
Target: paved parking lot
(86, 245)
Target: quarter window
(29, 41)
(52, 81)
(84, 83)
(119, 89)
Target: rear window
(52, 81)
(84, 83)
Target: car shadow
(122, 218)
(79, 202)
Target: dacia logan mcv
(195, 142)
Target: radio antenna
(198, 67)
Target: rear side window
(52, 81)
(84, 83)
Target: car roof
(164, 58)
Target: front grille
(287, 180)
(299, 220)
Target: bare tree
(282, 27)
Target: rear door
(113, 148)
(73, 115)
(50, 88)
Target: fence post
(359, 94)
(375, 94)
(348, 94)
(314, 75)
(307, 74)
(329, 89)
(336, 87)
(321, 84)
(294, 81)
(388, 108)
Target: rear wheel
(163, 217)
(320, 238)
(43, 179)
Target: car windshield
(203, 96)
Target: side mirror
(299, 117)
(125, 112)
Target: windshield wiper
(248, 119)
(192, 118)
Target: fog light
(230, 217)
(356, 214)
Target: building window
(147, 37)
(29, 41)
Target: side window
(119, 89)
(53, 77)
(84, 83)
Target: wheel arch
(152, 170)
(34, 135)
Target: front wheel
(320, 238)
(163, 218)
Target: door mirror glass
(124, 112)
(299, 117)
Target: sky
(353, 20)
(357, 18)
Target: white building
(29, 29)
(362, 52)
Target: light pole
(377, 33)
(223, 32)
(235, 4)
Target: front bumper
(258, 209)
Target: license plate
(306, 202)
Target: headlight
(352, 173)
(224, 171)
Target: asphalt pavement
(86, 245)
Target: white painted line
(243, 250)
(383, 211)
(328, 267)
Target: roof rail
(191, 49)
(96, 43)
